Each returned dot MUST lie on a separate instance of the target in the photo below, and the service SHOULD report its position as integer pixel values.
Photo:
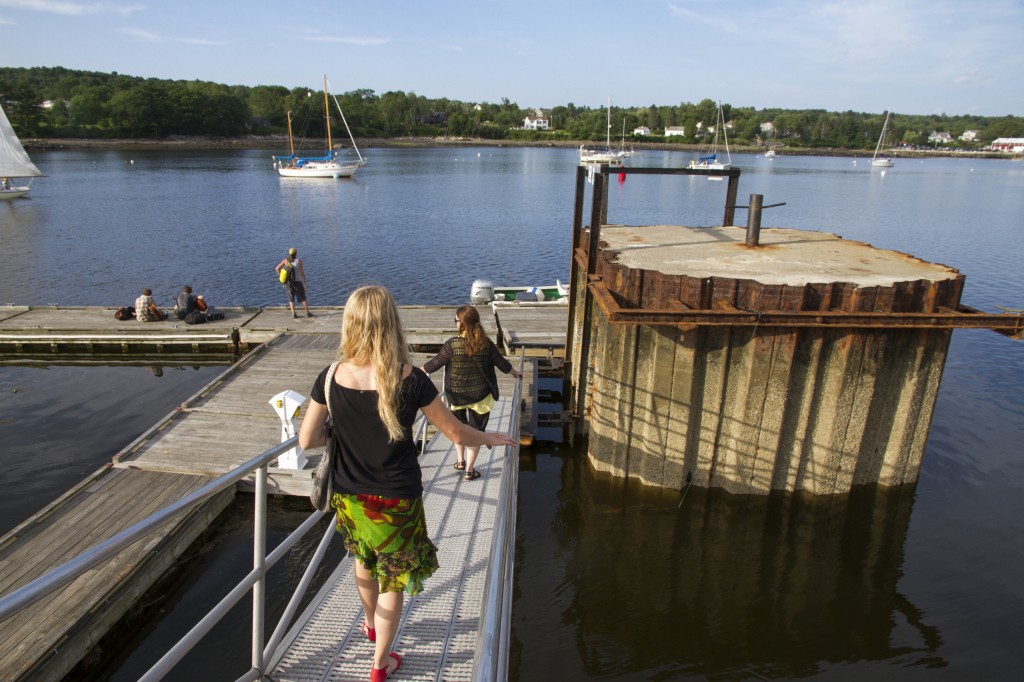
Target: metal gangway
(458, 628)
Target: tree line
(54, 102)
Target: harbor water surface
(612, 581)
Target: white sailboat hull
(710, 166)
(881, 163)
(596, 157)
(328, 169)
(13, 193)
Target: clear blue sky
(913, 56)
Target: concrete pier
(808, 362)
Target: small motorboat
(484, 292)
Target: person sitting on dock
(294, 287)
(378, 488)
(187, 303)
(146, 309)
(470, 383)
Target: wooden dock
(56, 330)
(224, 425)
(540, 328)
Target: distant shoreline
(280, 143)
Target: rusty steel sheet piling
(802, 361)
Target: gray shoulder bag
(322, 490)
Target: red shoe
(381, 674)
(370, 633)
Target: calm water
(613, 581)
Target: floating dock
(178, 455)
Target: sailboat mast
(327, 115)
(608, 129)
(725, 132)
(881, 138)
(291, 142)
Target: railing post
(598, 202)
(577, 237)
(259, 559)
(730, 199)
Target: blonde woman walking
(375, 395)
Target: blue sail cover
(301, 160)
(709, 158)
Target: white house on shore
(970, 136)
(642, 130)
(671, 131)
(532, 123)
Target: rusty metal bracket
(964, 317)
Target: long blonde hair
(475, 336)
(371, 333)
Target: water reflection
(633, 585)
(64, 421)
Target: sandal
(370, 633)
(460, 465)
(381, 674)
(472, 475)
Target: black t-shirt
(366, 463)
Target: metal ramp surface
(438, 633)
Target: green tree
(268, 102)
(87, 110)
(140, 112)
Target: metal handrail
(490, 659)
(493, 637)
(61, 576)
(64, 574)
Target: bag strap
(328, 380)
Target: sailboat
(605, 156)
(14, 162)
(711, 160)
(623, 152)
(881, 159)
(327, 166)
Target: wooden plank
(101, 320)
(232, 422)
(9, 311)
(115, 501)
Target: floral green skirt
(388, 535)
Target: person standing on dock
(294, 286)
(378, 491)
(470, 383)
